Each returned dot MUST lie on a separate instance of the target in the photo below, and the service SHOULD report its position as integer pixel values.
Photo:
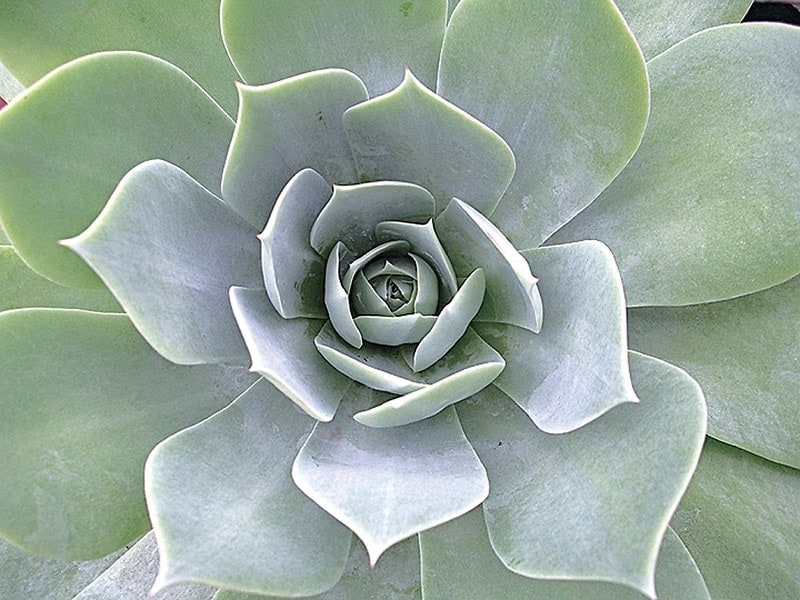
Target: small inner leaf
(336, 300)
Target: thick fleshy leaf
(387, 485)
(169, 250)
(594, 503)
(739, 521)
(285, 127)
(337, 301)
(472, 241)
(294, 274)
(576, 367)
(394, 330)
(355, 266)
(23, 287)
(458, 562)
(282, 351)
(74, 442)
(354, 210)
(659, 24)
(82, 128)
(744, 353)
(720, 220)
(10, 87)
(376, 41)
(411, 134)
(39, 36)
(227, 483)
(571, 99)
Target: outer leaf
(571, 100)
(744, 353)
(170, 250)
(560, 506)
(10, 87)
(389, 484)
(659, 24)
(458, 562)
(71, 124)
(703, 212)
(411, 134)
(576, 368)
(283, 128)
(39, 36)
(226, 482)
(74, 442)
(282, 351)
(22, 288)
(739, 520)
(373, 40)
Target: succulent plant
(370, 337)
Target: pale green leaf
(745, 354)
(389, 484)
(169, 250)
(226, 512)
(591, 504)
(739, 521)
(659, 24)
(84, 399)
(458, 562)
(39, 36)
(576, 367)
(82, 128)
(394, 330)
(374, 40)
(391, 247)
(283, 128)
(411, 134)
(706, 210)
(569, 96)
(337, 301)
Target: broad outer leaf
(594, 503)
(66, 143)
(745, 354)
(374, 40)
(74, 440)
(225, 511)
(569, 96)
(39, 36)
(411, 134)
(739, 521)
(170, 250)
(659, 24)
(388, 484)
(576, 367)
(458, 562)
(706, 210)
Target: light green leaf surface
(74, 442)
(395, 577)
(282, 350)
(132, 576)
(169, 250)
(745, 354)
(27, 577)
(226, 512)
(411, 134)
(39, 36)
(376, 41)
(739, 521)
(559, 505)
(570, 97)
(293, 273)
(10, 87)
(21, 287)
(283, 128)
(337, 301)
(659, 24)
(576, 367)
(85, 125)
(472, 241)
(705, 210)
(394, 330)
(389, 484)
(458, 562)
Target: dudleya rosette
(369, 338)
